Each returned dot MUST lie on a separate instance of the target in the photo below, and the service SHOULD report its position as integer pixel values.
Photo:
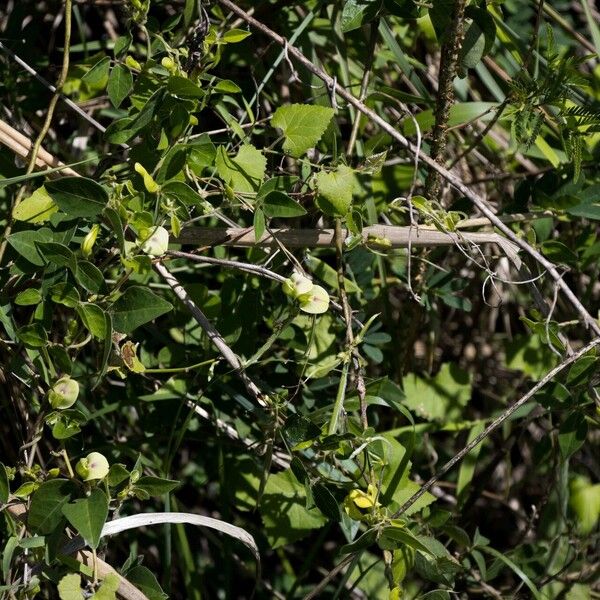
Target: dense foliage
(266, 267)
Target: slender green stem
(182, 369)
(339, 399)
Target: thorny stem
(445, 96)
(47, 122)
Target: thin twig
(495, 424)
(52, 88)
(450, 177)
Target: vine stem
(47, 122)
(339, 399)
(495, 424)
(480, 202)
(445, 96)
(353, 355)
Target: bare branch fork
(449, 176)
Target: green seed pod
(63, 394)
(94, 466)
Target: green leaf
(479, 37)
(302, 125)
(278, 204)
(335, 190)
(97, 76)
(245, 172)
(108, 344)
(37, 208)
(69, 587)
(78, 196)
(89, 277)
(25, 243)
(467, 467)
(184, 88)
(225, 86)
(233, 36)
(45, 512)
(581, 371)
(88, 515)
(509, 563)
(182, 192)
(120, 84)
(93, 318)
(258, 222)
(33, 336)
(117, 474)
(358, 12)
(283, 511)
(137, 306)
(28, 297)
(202, 153)
(572, 434)
(108, 589)
(441, 398)
(9, 549)
(395, 537)
(329, 275)
(4, 486)
(156, 486)
(463, 112)
(58, 255)
(326, 502)
(300, 429)
(145, 581)
(122, 44)
(585, 503)
(65, 293)
(116, 226)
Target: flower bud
(89, 240)
(149, 182)
(93, 466)
(155, 242)
(297, 285)
(63, 394)
(168, 63)
(132, 63)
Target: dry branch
(21, 145)
(377, 236)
